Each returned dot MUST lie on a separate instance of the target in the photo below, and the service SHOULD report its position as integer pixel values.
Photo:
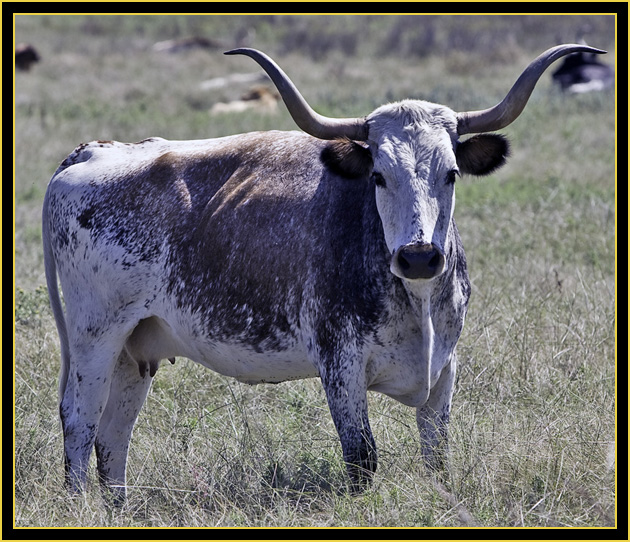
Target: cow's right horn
(308, 120)
(506, 112)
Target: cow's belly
(154, 339)
(251, 367)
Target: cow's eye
(378, 179)
(451, 176)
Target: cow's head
(412, 152)
(416, 160)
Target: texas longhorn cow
(267, 257)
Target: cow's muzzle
(418, 261)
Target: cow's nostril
(403, 263)
(435, 261)
(419, 261)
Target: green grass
(533, 422)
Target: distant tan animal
(25, 56)
(233, 79)
(259, 98)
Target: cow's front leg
(346, 392)
(432, 418)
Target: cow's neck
(420, 300)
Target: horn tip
(240, 51)
(587, 48)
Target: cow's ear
(347, 158)
(482, 154)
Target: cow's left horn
(308, 120)
(506, 112)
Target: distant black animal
(25, 56)
(583, 72)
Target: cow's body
(174, 262)
(190, 251)
(267, 257)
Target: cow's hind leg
(346, 392)
(127, 394)
(83, 399)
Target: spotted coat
(267, 257)
(263, 270)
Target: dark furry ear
(482, 154)
(347, 158)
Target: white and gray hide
(329, 252)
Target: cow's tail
(55, 298)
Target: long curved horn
(308, 120)
(506, 112)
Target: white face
(414, 172)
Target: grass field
(533, 421)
